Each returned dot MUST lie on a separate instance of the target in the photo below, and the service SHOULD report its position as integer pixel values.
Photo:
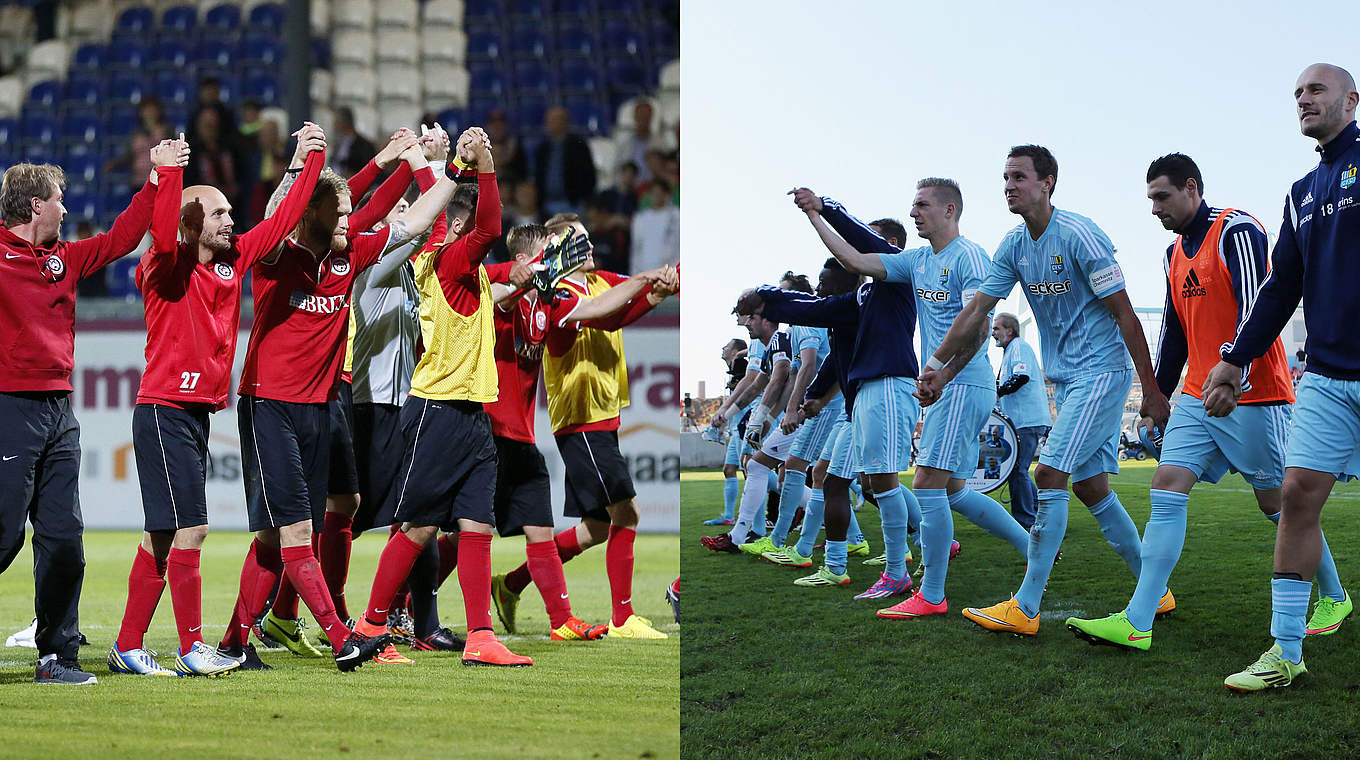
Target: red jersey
(38, 299)
(520, 334)
(193, 310)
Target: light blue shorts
(1325, 432)
(883, 419)
(1251, 441)
(736, 447)
(1084, 440)
(838, 452)
(949, 431)
(812, 435)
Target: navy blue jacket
(1317, 259)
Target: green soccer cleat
(1115, 630)
(788, 557)
(506, 602)
(1270, 672)
(291, 634)
(759, 546)
(823, 577)
(860, 549)
(881, 560)
(1328, 614)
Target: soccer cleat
(1166, 606)
(483, 648)
(673, 597)
(323, 640)
(358, 650)
(66, 672)
(860, 549)
(788, 557)
(505, 602)
(390, 656)
(823, 577)
(138, 662)
(1328, 614)
(401, 626)
(759, 546)
(720, 521)
(442, 640)
(291, 634)
(885, 587)
(25, 637)
(881, 560)
(722, 544)
(635, 627)
(954, 550)
(1269, 672)
(1114, 630)
(203, 660)
(1006, 617)
(914, 606)
(269, 643)
(576, 629)
(246, 656)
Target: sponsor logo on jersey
(1191, 287)
(54, 269)
(1057, 265)
(316, 304)
(340, 266)
(1047, 288)
(223, 270)
(526, 350)
(1348, 176)
(934, 296)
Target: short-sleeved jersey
(943, 282)
(809, 337)
(779, 348)
(1027, 407)
(1064, 274)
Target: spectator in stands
(269, 159)
(213, 162)
(563, 167)
(210, 99)
(621, 198)
(609, 234)
(656, 230)
(352, 150)
(512, 163)
(136, 157)
(634, 144)
(664, 166)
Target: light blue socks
(1045, 537)
(1163, 539)
(989, 515)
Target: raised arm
(166, 266)
(853, 260)
(791, 307)
(92, 254)
(363, 179)
(269, 233)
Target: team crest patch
(1057, 264)
(223, 270)
(944, 275)
(54, 269)
(540, 320)
(340, 266)
(1348, 177)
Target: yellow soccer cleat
(1166, 606)
(635, 628)
(1006, 617)
(390, 656)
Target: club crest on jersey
(54, 269)
(540, 320)
(223, 270)
(1057, 265)
(340, 266)
(944, 275)
(1348, 177)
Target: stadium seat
(453, 120)
(226, 16)
(44, 94)
(584, 9)
(128, 55)
(619, 36)
(321, 53)
(39, 153)
(9, 133)
(478, 107)
(398, 81)
(482, 11)
(444, 83)
(11, 95)
(37, 128)
(323, 84)
(395, 115)
(443, 44)
(87, 21)
(88, 57)
(180, 18)
(529, 9)
(47, 60)
(321, 18)
(397, 45)
(80, 205)
(122, 273)
(356, 86)
(261, 52)
(577, 41)
(620, 7)
(486, 82)
(528, 113)
(268, 16)
(352, 14)
(662, 35)
(365, 119)
(213, 53)
(670, 76)
(126, 87)
(173, 87)
(580, 77)
(397, 14)
(605, 152)
(135, 19)
(80, 128)
(626, 78)
(587, 116)
(261, 85)
(83, 169)
(119, 122)
(442, 13)
(354, 47)
(484, 46)
(527, 42)
(171, 55)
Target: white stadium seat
(366, 122)
(443, 43)
(321, 17)
(395, 116)
(352, 46)
(11, 95)
(445, 85)
(323, 86)
(48, 60)
(447, 12)
(605, 153)
(397, 45)
(398, 81)
(357, 85)
(670, 76)
(352, 14)
(397, 14)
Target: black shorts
(377, 453)
(523, 490)
(597, 474)
(448, 470)
(344, 478)
(285, 461)
(172, 464)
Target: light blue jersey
(943, 282)
(1027, 407)
(809, 337)
(1064, 274)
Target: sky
(859, 99)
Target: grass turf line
(782, 671)
(603, 699)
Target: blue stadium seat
(45, 95)
(213, 52)
(39, 153)
(580, 77)
(80, 129)
(485, 11)
(171, 54)
(122, 273)
(37, 129)
(174, 87)
(484, 46)
(80, 205)
(584, 9)
(453, 120)
(135, 19)
(120, 122)
(261, 85)
(528, 42)
(180, 18)
(479, 107)
(84, 169)
(486, 81)
(529, 8)
(620, 7)
(224, 16)
(89, 56)
(587, 115)
(528, 113)
(127, 87)
(533, 77)
(177, 116)
(261, 52)
(626, 77)
(267, 16)
(128, 54)
(84, 90)
(620, 36)
(662, 33)
(577, 40)
(9, 133)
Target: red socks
(448, 557)
(145, 584)
(546, 568)
(393, 567)
(618, 563)
(333, 553)
(474, 578)
(567, 547)
(286, 601)
(305, 572)
(261, 569)
(186, 594)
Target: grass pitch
(606, 699)
(774, 670)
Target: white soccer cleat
(203, 660)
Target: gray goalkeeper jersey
(384, 308)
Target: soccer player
(1316, 258)
(1214, 270)
(192, 295)
(523, 495)
(301, 317)
(1066, 266)
(732, 351)
(945, 275)
(38, 480)
(733, 412)
(586, 377)
(1020, 395)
